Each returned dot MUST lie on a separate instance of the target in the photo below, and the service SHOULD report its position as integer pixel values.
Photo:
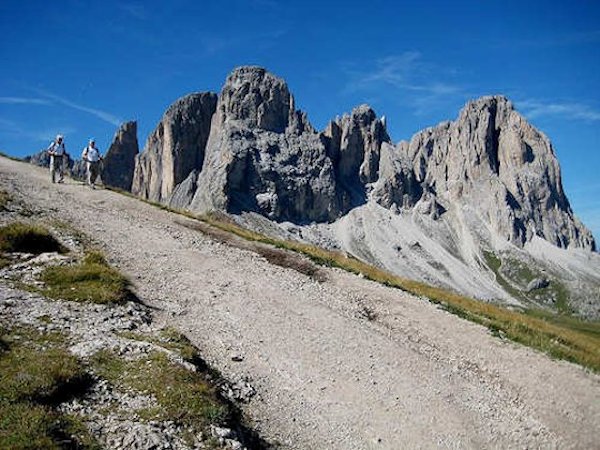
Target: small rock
(221, 432)
(537, 283)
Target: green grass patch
(4, 199)
(26, 238)
(559, 294)
(495, 264)
(92, 280)
(590, 328)
(555, 293)
(183, 396)
(37, 372)
(35, 366)
(173, 340)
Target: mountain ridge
(496, 141)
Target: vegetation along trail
(337, 361)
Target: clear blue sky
(81, 67)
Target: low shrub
(4, 199)
(36, 372)
(92, 280)
(26, 238)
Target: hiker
(57, 153)
(91, 156)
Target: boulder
(537, 283)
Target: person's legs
(52, 169)
(60, 168)
(88, 169)
(94, 173)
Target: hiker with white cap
(57, 153)
(91, 156)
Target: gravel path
(338, 364)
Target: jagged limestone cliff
(249, 149)
(175, 147)
(466, 204)
(119, 161)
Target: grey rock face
(254, 98)
(259, 154)
(354, 144)
(493, 158)
(175, 148)
(397, 186)
(284, 176)
(119, 161)
(184, 192)
(264, 156)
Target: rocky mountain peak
(490, 103)
(257, 99)
(362, 115)
(119, 161)
(356, 147)
(175, 147)
(249, 149)
(492, 157)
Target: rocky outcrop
(42, 159)
(119, 161)
(493, 158)
(79, 170)
(175, 147)
(258, 153)
(263, 155)
(354, 145)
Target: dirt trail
(339, 364)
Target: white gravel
(326, 376)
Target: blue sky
(81, 67)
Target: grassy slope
(93, 280)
